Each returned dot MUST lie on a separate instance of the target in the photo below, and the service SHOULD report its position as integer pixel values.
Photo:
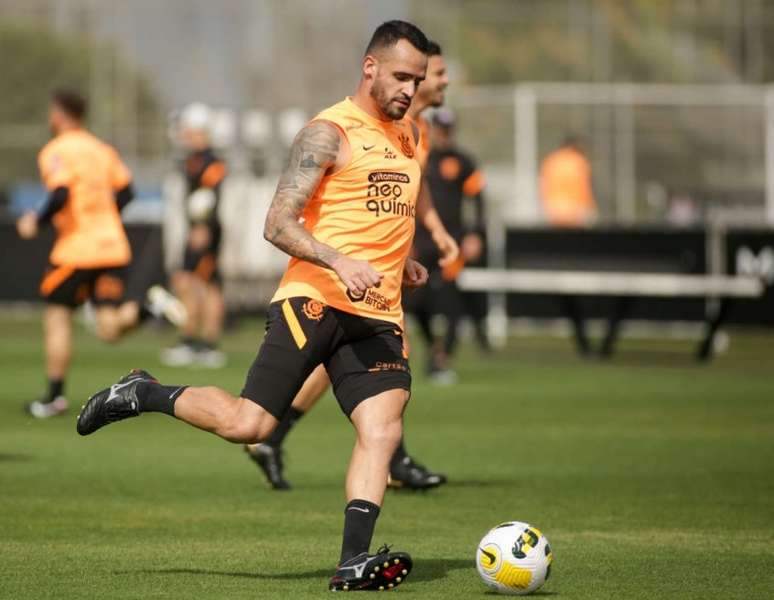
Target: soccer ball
(201, 204)
(514, 558)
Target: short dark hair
(71, 102)
(433, 48)
(390, 33)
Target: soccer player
(197, 284)
(566, 186)
(344, 210)
(405, 472)
(456, 184)
(88, 185)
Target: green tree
(33, 62)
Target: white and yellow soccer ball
(514, 558)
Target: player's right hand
(357, 275)
(27, 225)
(199, 237)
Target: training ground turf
(652, 476)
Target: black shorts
(202, 263)
(364, 357)
(71, 287)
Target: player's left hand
(414, 274)
(446, 246)
(27, 225)
(472, 247)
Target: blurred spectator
(565, 186)
(456, 186)
(198, 283)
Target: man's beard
(385, 104)
(438, 99)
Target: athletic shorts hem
(371, 384)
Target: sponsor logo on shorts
(385, 192)
(388, 366)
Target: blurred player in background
(565, 186)
(421, 303)
(405, 472)
(198, 283)
(456, 185)
(351, 178)
(88, 185)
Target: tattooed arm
(314, 151)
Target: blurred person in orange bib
(88, 186)
(566, 188)
(198, 283)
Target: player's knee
(247, 423)
(108, 332)
(383, 434)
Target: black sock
(399, 455)
(155, 397)
(144, 314)
(359, 522)
(55, 388)
(283, 427)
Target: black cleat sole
(382, 573)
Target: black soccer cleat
(269, 460)
(116, 403)
(408, 474)
(378, 572)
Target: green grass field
(652, 476)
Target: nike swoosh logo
(114, 390)
(492, 558)
(365, 510)
(367, 148)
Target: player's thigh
(109, 287)
(314, 387)
(202, 264)
(297, 340)
(367, 366)
(108, 293)
(383, 408)
(57, 321)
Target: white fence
(654, 148)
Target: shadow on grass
(210, 573)
(538, 593)
(424, 570)
(15, 457)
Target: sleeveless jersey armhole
(346, 138)
(416, 131)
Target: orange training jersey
(365, 211)
(89, 229)
(565, 185)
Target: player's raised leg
(208, 408)
(378, 422)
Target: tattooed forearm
(314, 151)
